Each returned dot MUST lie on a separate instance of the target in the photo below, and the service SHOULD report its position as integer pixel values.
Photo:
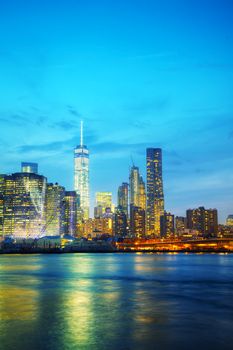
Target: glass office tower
(81, 175)
(155, 195)
(22, 205)
(123, 197)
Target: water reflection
(121, 301)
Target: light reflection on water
(116, 301)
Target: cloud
(73, 111)
(65, 124)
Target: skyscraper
(70, 213)
(22, 201)
(137, 221)
(134, 180)
(54, 209)
(120, 222)
(155, 196)
(142, 194)
(123, 197)
(81, 175)
(103, 201)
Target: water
(116, 301)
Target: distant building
(203, 220)
(123, 197)
(155, 196)
(98, 226)
(103, 201)
(137, 221)
(55, 209)
(70, 216)
(180, 224)
(167, 226)
(229, 221)
(120, 222)
(22, 211)
(81, 175)
(27, 167)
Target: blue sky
(139, 73)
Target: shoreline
(57, 251)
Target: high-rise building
(27, 167)
(97, 227)
(54, 209)
(22, 210)
(167, 226)
(70, 213)
(103, 201)
(120, 222)
(205, 221)
(180, 224)
(134, 181)
(137, 221)
(142, 194)
(155, 196)
(229, 221)
(123, 197)
(81, 175)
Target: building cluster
(31, 207)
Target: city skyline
(139, 75)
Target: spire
(81, 133)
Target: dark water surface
(116, 301)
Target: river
(116, 301)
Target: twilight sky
(139, 73)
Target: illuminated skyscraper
(155, 196)
(54, 209)
(134, 180)
(22, 211)
(120, 222)
(103, 201)
(142, 194)
(123, 197)
(81, 175)
(70, 213)
(137, 221)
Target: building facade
(22, 209)
(120, 222)
(81, 175)
(55, 210)
(70, 216)
(137, 221)
(167, 226)
(205, 221)
(123, 197)
(155, 195)
(142, 194)
(134, 181)
(103, 202)
(229, 221)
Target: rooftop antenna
(81, 133)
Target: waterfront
(117, 301)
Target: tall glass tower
(81, 175)
(155, 196)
